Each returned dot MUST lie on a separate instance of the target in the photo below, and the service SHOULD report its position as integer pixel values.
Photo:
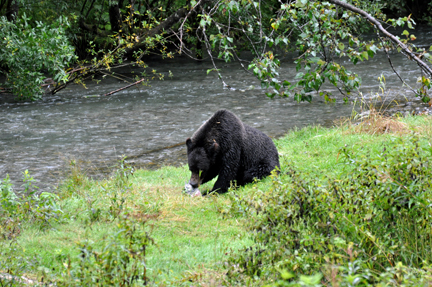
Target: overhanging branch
(412, 56)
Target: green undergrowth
(349, 208)
(136, 217)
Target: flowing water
(150, 124)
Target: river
(149, 124)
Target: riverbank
(138, 225)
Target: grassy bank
(139, 222)
(190, 236)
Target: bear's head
(201, 159)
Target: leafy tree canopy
(104, 33)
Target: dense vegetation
(352, 227)
(49, 44)
(351, 207)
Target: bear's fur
(236, 152)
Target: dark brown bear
(223, 146)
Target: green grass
(316, 149)
(193, 237)
(190, 234)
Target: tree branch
(128, 86)
(377, 24)
(393, 68)
(165, 25)
(171, 20)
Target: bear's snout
(194, 184)
(195, 180)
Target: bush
(28, 52)
(377, 213)
(119, 262)
(355, 274)
(42, 209)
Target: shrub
(28, 52)
(377, 213)
(35, 208)
(119, 262)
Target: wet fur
(226, 147)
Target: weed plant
(119, 262)
(363, 224)
(40, 209)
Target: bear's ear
(189, 143)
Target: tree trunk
(2, 3)
(12, 10)
(115, 18)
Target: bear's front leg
(228, 172)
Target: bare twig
(184, 21)
(393, 68)
(125, 87)
(208, 48)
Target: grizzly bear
(226, 147)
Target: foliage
(41, 209)
(377, 213)
(257, 34)
(14, 265)
(111, 47)
(420, 10)
(28, 52)
(122, 186)
(119, 262)
(357, 274)
(320, 32)
(149, 203)
(317, 30)
(116, 192)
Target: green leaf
(270, 95)
(425, 99)
(315, 59)
(286, 94)
(300, 4)
(373, 48)
(286, 275)
(311, 280)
